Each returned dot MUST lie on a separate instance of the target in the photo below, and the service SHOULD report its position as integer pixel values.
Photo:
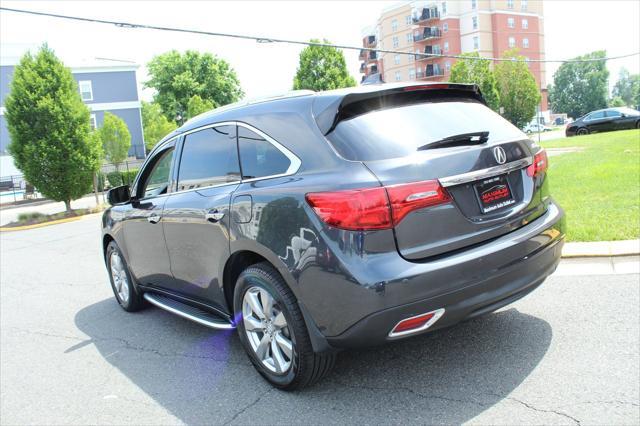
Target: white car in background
(536, 127)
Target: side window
(157, 181)
(614, 114)
(596, 115)
(258, 157)
(209, 157)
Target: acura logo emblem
(501, 156)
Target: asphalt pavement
(566, 354)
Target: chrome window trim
(150, 155)
(485, 173)
(294, 165)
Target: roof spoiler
(329, 111)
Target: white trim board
(106, 106)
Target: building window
(512, 42)
(509, 4)
(511, 23)
(445, 27)
(395, 41)
(412, 74)
(473, 4)
(523, 5)
(396, 59)
(447, 66)
(525, 43)
(398, 76)
(476, 43)
(446, 46)
(417, 55)
(86, 91)
(444, 7)
(93, 122)
(525, 24)
(410, 58)
(474, 22)
(394, 25)
(409, 38)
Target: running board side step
(189, 312)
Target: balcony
(427, 14)
(429, 53)
(370, 41)
(363, 55)
(373, 55)
(427, 34)
(433, 72)
(363, 67)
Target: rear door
(598, 122)
(196, 217)
(491, 193)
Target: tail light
(375, 208)
(540, 164)
(416, 324)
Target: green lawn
(599, 187)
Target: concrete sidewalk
(601, 248)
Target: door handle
(214, 215)
(153, 218)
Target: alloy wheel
(267, 330)
(119, 275)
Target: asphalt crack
(248, 406)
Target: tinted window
(258, 157)
(157, 181)
(596, 115)
(614, 114)
(209, 157)
(398, 132)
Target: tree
(627, 89)
(177, 77)
(480, 73)
(580, 87)
(322, 68)
(517, 88)
(197, 105)
(116, 139)
(155, 124)
(617, 101)
(49, 128)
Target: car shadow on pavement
(203, 376)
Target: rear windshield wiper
(473, 138)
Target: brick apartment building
(489, 27)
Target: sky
(571, 28)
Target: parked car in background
(536, 127)
(318, 222)
(605, 120)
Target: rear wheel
(582, 131)
(273, 332)
(121, 283)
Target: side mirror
(119, 195)
(623, 115)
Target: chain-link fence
(15, 188)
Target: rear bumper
(466, 284)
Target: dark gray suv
(322, 221)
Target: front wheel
(273, 332)
(121, 283)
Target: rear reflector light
(540, 164)
(375, 208)
(416, 324)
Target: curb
(601, 249)
(43, 224)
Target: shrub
(114, 178)
(129, 176)
(125, 177)
(26, 217)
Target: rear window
(399, 132)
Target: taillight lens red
(357, 209)
(408, 197)
(540, 164)
(375, 208)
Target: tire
(125, 292)
(582, 131)
(305, 367)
